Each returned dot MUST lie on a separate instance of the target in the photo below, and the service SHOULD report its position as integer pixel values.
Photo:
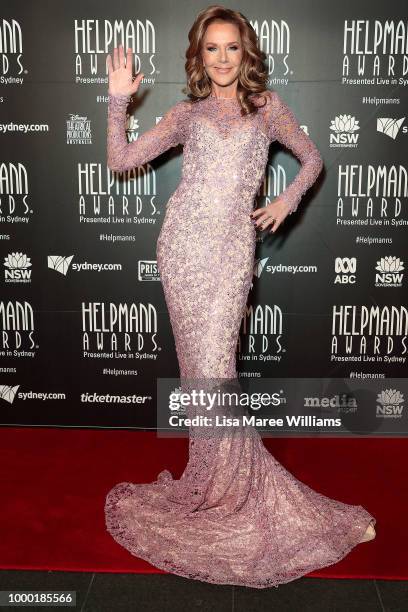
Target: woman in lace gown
(236, 515)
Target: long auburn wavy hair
(252, 76)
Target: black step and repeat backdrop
(85, 333)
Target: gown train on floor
(236, 515)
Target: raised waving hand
(168, 132)
(120, 74)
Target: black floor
(106, 592)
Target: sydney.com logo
(62, 263)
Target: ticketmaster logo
(111, 398)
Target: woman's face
(222, 53)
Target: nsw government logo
(390, 404)
(389, 272)
(343, 132)
(17, 268)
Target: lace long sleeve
(285, 128)
(123, 155)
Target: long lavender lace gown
(236, 515)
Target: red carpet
(54, 482)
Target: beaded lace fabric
(236, 515)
